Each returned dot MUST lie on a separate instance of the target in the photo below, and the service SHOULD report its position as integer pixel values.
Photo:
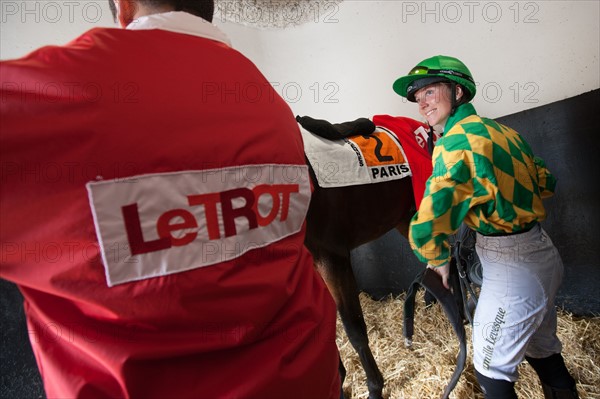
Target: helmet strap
(430, 140)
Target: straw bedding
(422, 371)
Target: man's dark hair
(201, 8)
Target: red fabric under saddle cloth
(411, 137)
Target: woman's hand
(443, 271)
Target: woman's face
(434, 103)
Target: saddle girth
(429, 280)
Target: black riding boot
(556, 381)
(559, 393)
(496, 389)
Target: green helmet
(436, 69)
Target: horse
(334, 228)
(340, 219)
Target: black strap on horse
(432, 282)
(458, 304)
(336, 131)
(463, 254)
(430, 144)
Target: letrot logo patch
(159, 224)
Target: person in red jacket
(153, 205)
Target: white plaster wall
(28, 24)
(342, 63)
(522, 54)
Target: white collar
(180, 22)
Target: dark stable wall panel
(19, 376)
(566, 135)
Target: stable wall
(341, 64)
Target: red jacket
(153, 201)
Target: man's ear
(126, 11)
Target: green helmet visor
(422, 82)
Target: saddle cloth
(375, 158)
(354, 160)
